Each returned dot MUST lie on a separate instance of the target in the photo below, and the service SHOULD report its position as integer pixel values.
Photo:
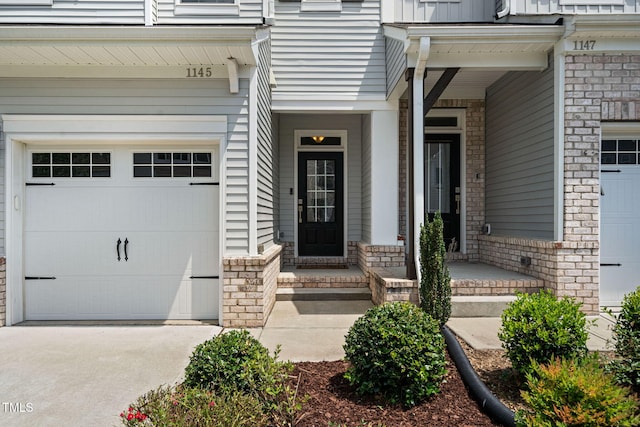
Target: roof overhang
(602, 34)
(89, 51)
(511, 47)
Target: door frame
(22, 130)
(461, 130)
(298, 134)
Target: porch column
(416, 144)
(384, 177)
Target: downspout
(506, 8)
(415, 154)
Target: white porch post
(417, 144)
(384, 177)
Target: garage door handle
(126, 243)
(118, 243)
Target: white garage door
(121, 233)
(620, 220)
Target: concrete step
(480, 306)
(323, 294)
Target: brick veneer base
(567, 268)
(249, 288)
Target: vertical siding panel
(519, 155)
(366, 178)
(546, 7)
(439, 11)
(329, 52)
(150, 96)
(265, 171)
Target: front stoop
(322, 284)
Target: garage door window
(620, 152)
(70, 165)
(172, 165)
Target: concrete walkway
(310, 330)
(86, 375)
(482, 332)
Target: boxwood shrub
(539, 327)
(397, 351)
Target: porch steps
(480, 305)
(323, 294)
(322, 284)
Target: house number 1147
(584, 44)
(195, 72)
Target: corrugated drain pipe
(489, 404)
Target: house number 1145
(584, 44)
(195, 72)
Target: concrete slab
(86, 375)
(310, 330)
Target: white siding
(150, 96)
(396, 62)
(76, 12)
(438, 11)
(519, 155)
(352, 123)
(366, 178)
(329, 52)
(546, 7)
(265, 173)
(250, 13)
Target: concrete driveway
(86, 375)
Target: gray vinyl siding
(121, 12)
(265, 171)
(439, 11)
(2, 193)
(519, 155)
(547, 7)
(352, 123)
(329, 52)
(151, 96)
(250, 13)
(396, 61)
(366, 178)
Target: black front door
(320, 204)
(442, 183)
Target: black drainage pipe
(489, 404)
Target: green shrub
(435, 282)
(181, 406)
(576, 393)
(236, 362)
(396, 350)
(626, 336)
(539, 327)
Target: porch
(478, 290)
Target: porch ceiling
(467, 84)
(24, 47)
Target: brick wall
(3, 292)
(370, 256)
(597, 88)
(249, 288)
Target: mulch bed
(333, 402)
